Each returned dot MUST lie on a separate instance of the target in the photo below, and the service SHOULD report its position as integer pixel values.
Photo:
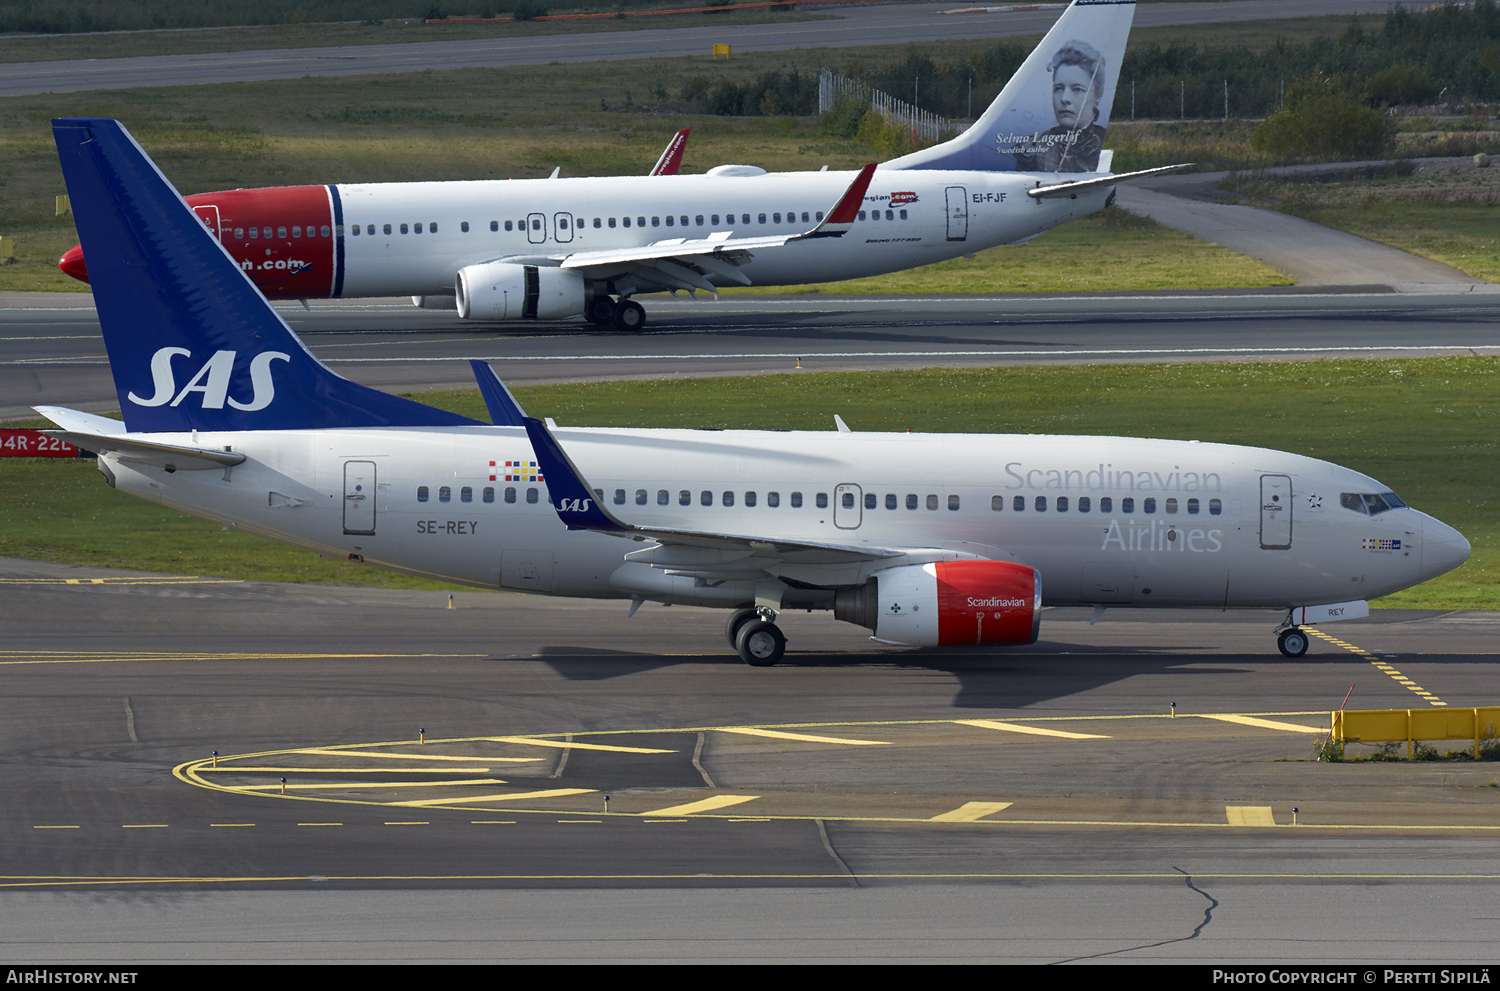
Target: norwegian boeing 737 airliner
(559, 248)
(922, 539)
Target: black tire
(1293, 642)
(737, 619)
(760, 644)
(600, 311)
(629, 316)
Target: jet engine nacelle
(959, 602)
(506, 291)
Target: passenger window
(466, 494)
(953, 502)
(387, 228)
(874, 214)
(776, 218)
(403, 228)
(746, 219)
(325, 230)
(714, 220)
(598, 223)
(1062, 504)
(869, 500)
(773, 499)
(889, 215)
(639, 222)
(1106, 504)
(1215, 507)
(749, 498)
(656, 221)
(1083, 504)
(1041, 504)
(804, 216)
(669, 221)
(819, 214)
(371, 230)
(510, 493)
(706, 498)
(536, 225)
(417, 229)
(1018, 504)
(1149, 505)
(1127, 505)
(663, 497)
(445, 494)
(612, 221)
(1192, 507)
(1172, 505)
(464, 227)
(932, 502)
(911, 500)
(254, 233)
(627, 221)
(861, 215)
(489, 493)
(796, 500)
(903, 214)
(762, 218)
(728, 499)
(421, 493)
(822, 500)
(684, 498)
(239, 233)
(890, 500)
(848, 500)
(683, 220)
(640, 497)
(697, 220)
(531, 496)
(619, 497)
(281, 232)
(997, 503)
(431, 229)
(562, 223)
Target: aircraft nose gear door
(958, 214)
(847, 510)
(1275, 512)
(359, 497)
(536, 227)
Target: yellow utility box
(63, 206)
(721, 50)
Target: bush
(1399, 84)
(1323, 120)
(527, 10)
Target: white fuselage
(909, 218)
(1105, 520)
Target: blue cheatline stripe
(338, 242)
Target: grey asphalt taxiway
(51, 351)
(400, 780)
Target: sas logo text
(574, 505)
(211, 381)
(988, 197)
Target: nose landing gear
(1292, 642)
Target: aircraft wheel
(760, 644)
(629, 316)
(600, 311)
(737, 619)
(1293, 642)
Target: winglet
(841, 218)
(504, 410)
(577, 505)
(671, 157)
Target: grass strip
(1427, 427)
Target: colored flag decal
(516, 471)
(1379, 544)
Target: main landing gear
(755, 637)
(627, 315)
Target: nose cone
(1443, 548)
(72, 263)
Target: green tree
(1323, 119)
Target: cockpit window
(1369, 503)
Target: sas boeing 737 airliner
(558, 248)
(922, 539)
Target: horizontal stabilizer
(172, 457)
(1074, 188)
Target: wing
(671, 156)
(707, 262)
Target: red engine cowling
(959, 602)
